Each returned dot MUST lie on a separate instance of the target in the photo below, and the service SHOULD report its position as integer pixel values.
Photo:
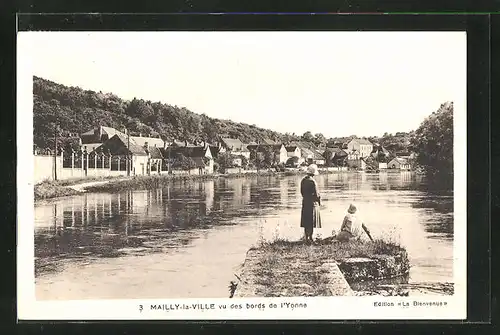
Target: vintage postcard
(241, 175)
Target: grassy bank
(157, 181)
(52, 189)
(294, 268)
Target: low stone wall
(374, 268)
(326, 268)
(250, 283)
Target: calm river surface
(188, 239)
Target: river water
(188, 239)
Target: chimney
(140, 134)
(185, 143)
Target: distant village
(105, 151)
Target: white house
(235, 147)
(399, 163)
(363, 146)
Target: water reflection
(144, 222)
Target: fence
(78, 164)
(48, 166)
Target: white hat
(312, 169)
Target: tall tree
(433, 142)
(308, 136)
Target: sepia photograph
(244, 167)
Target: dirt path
(81, 187)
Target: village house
(279, 150)
(318, 157)
(216, 149)
(358, 164)
(405, 154)
(235, 147)
(399, 163)
(361, 145)
(379, 151)
(337, 156)
(148, 141)
(294, 151)
(311, 156)
(95, 137)
(201, 156)
(353, 155)
(127, 155)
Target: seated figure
(352, 227)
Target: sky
(334, 83)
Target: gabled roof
(361, 141)
(260, 147)
(186, 151)
(268, 141)
(119, 145)
(306, 152)
(234, 144)
(337, 151)
(318, 155)
(377, 148)
(105, 130)
(199, 162)
(155, 152)
(129, 143)
(180, 144)
(151, 141)
(400, 160)
(91, 146)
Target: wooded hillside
(75, 111)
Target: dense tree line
(433, 142)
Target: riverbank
(158, 181)
(286, 268)
(60, 188)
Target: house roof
(186, 151)
(123, 144)
(291, 148)
(105, 130)
(91, 146)
(318, 155)
(306, 152)
(361, 141)
(234, 144)
(155, 153)
(130, 143)
(262, 146)
(403, 153)
(199, 162)
(400, 160)
(180, 144)
(377, 148)
(268, 141)
(337, 150)
(95, 135)
(151, 141)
